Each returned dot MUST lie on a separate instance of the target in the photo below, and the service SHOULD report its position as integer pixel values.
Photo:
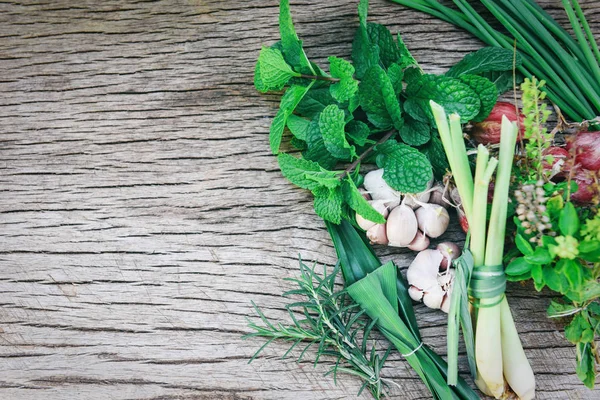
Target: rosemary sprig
(332, 322)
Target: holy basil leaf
(488, 94)
(415, 133)
(568, 221)
(347, 86)
(328, 203)
(575, 329)
(540, 256)
(357, 202)
(452, 94)
(555, 280)
(358, 131)
(405, 168)
(289, 101)
(331, 124)
(305, 173)
(523, 245)
(572, 270)
(559, 310)
(378, 99)
(586, 370)
(290, 44)
(518, 266)
(589, 250)
(484, 60)
(380, 36)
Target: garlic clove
(423, 270)
(420, 242)
(438, 196)
(377, 234)
(413, 200)
(433, 297)
(380, 190)
(401, 226)
(450, 251)
(415, 293)
(433, 220)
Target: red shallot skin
(588, 186)
(586, 147)
(488, 131)
(560, 161)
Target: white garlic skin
(377, 234)
(422, 197)
(420, 242)
(433, 220)
(379, 190)
(401, 226)
(438, 195)
(427, 283)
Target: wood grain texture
(141, 210)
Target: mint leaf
(452, 94)
(358, 131)
(488, 94)
(395, 73)
(315, 146)
(484, 60)
(415, 133)
(305, 173)
(415, 110)
(314, 102)
(381, 37)
(434, 150)
(347, 86)
(331, 124)
(298, 126)
(503, 80)
(289, 101)
(290, 44)
(404, 168)
(378, 99)
(406, 59)
(328, 203)
(357, 202)
(272, 72)
(364, 53)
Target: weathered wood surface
(141, 210)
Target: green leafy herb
(327, 320)
(405, 168)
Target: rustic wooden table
(141, 210)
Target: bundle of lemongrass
(499, 355)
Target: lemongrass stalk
(517, 371)
(462, 170)
(488, 347)
(484, 169)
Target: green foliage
(346, 88)
(378, 99)
(405, 168)
(487, 92)
(330, 322)
(487, 59)
(289, 101)
(451, 93)
(331, 124)
(272, 72)
(567, 261)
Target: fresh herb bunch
(333, 323)
(570, 66)
(373, 109)
(567, 261)
(538, 138)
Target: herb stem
(319, 78)
(365, 153)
